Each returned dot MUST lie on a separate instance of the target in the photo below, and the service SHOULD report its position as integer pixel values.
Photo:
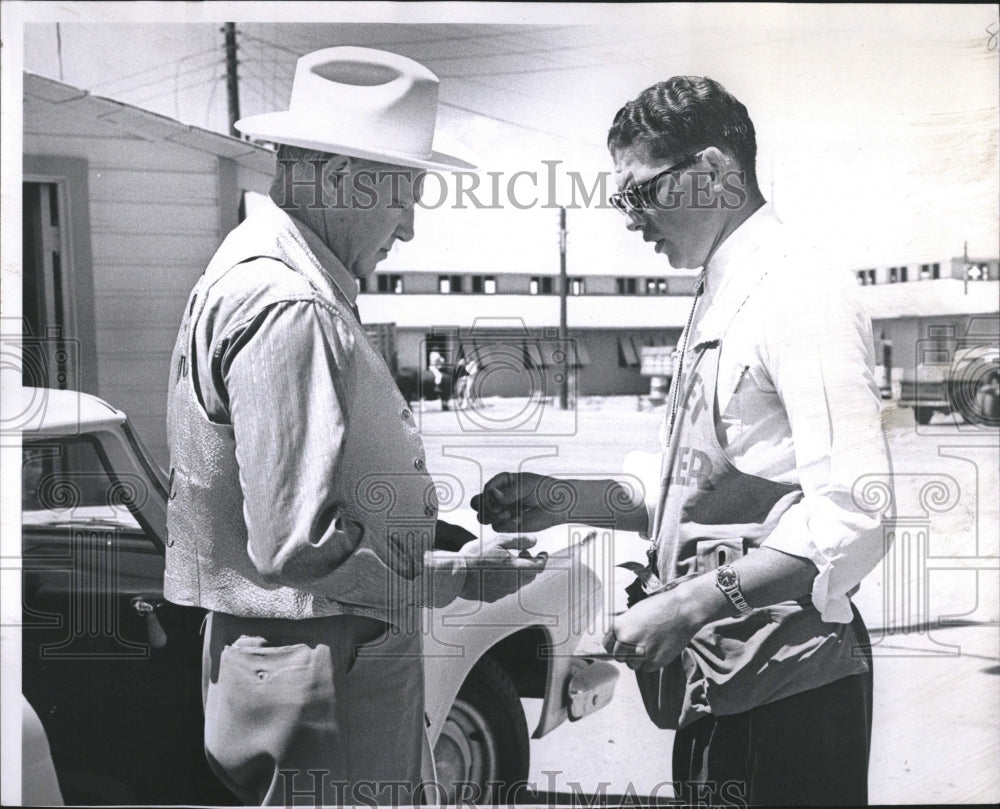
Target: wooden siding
(154, 227)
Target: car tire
(485, 739)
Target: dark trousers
(809, 749)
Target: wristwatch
(728, 580)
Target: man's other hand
(493, 572)
(524, 501)
(652, 633)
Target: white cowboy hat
(360, 102)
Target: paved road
(937, 693)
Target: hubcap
(465, 751)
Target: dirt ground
(933, 606)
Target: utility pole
(59, 50)
(232, 79)
(965, 268)
(563, 333)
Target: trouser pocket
(268, 704)
(714, 553)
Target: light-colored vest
(207, 563)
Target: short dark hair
(684, 114)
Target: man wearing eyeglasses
(740, 629)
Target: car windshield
(69, 482)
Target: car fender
(560, 603)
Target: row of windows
(392, 283)
(541, 352)
(901, 274)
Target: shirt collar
(329, 263)
(300, 237)
(742, 241)
(732, 273)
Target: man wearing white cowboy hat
(301, 514)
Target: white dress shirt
(796, 397)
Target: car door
(111, 669)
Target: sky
(877, 125)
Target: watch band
(728, 581)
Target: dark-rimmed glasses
(636, 198)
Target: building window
(866, 277)
(484, 285)
(540, 285)
(626, 286)
(628, 355)
(390, 283)
(362, 285)
(903, 274)
(893, 276)
(656, 286)
(47, 296)
(449, 283)
(577, 286)
(930, 271)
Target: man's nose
(405, 230)
(634, 220)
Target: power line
(151, 68)
(517, 124)
(161, 79)
(190, 86)
(271, 44)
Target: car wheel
(484, 739)
(923, 415)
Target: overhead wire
(142, 72)
(189, 86)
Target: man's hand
(524, 501)
(492, 572)
(653, 632)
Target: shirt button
(404, 414)
(418, 464)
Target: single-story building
(123, 209)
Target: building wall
(913, 337)
(605, 372)
(989, 268)
(155, 217)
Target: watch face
(726, 577)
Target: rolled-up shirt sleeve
(283, 372)
(821, 361)
(641, 478)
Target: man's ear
(719, 163)
(334, 170)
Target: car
(113, 671)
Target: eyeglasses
(637, 198)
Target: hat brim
(281, 127)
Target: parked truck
(957, 375)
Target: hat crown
(383, 100)
(360, 102)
